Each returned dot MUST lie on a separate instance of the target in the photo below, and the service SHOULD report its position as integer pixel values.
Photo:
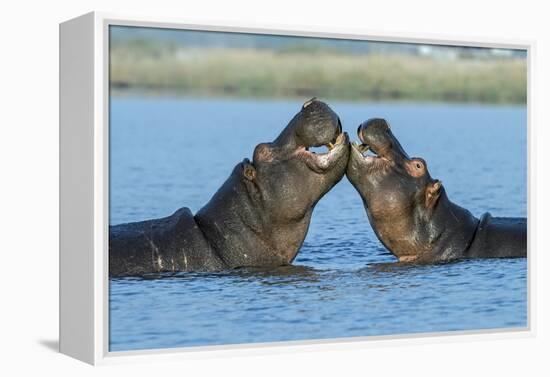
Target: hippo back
(499, 237)
(173, 243)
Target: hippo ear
(249, 172)
(433, 191)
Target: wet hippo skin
(258, 217)
(411, 213)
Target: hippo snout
(371, 130)
(376, 135)
(317, 124)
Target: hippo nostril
(385, 124)
(339, 126)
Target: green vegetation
(138, 65)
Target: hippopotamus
(259, 217)
(410, 212)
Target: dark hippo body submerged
(411, 213)
(260, 215)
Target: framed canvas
(235, 188)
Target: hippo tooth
(330, 146)
(363, 148)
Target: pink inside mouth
(369, 154)
(320, 160)
(325, 150)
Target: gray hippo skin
(258, 217)
(411, 213)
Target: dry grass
(331, 75)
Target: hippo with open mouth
(258, 217)
(411, 213)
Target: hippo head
(286, 175)
(397, 191)
(260, 216)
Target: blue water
(169, 153)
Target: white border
(101, 199)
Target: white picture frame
(84, 188)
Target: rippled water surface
(169, 153)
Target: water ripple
(344, 283)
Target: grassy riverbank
(327, 74)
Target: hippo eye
(416, 167)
